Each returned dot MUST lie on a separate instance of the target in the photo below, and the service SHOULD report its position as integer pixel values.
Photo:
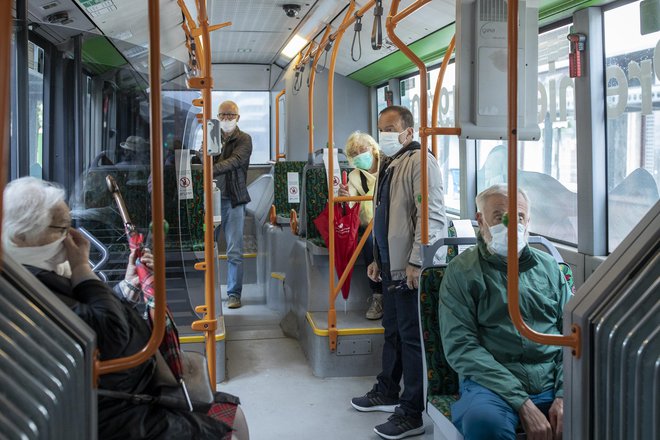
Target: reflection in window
(547, 167)
(36, 108)
(409, 89)
(381, 98)
(633, 120)
(448, 153)
(255, 119)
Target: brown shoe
(234, 302)
(376, 308)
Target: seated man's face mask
(498, 242)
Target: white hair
(28, 207)
(499, 189)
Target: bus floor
(280, 396)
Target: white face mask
(389, 142)
(228, 126)
(46, 257)
(499, 242)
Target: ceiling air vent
(61, 17)
(50, 5)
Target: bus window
(633, 120)
(381, 99)
(548, 167)
(448, 152)
(255, 119)
(36, 108)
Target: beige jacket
(355, 188)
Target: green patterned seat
(442, 380)
(281, 196)
(316, 198)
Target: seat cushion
(443, 403)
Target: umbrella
(169, 347)
(346, 223)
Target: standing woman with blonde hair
(363, 153)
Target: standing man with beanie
(230, 171)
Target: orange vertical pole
(436, 93)
(209, 323)
(5, 75)
(156, 130)
(310, 96)
(332, 313)
(277, 127)
(392, 20)
(573, 340)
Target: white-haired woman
(37, 233)
(363, 153)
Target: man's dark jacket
(121, 331)
(231, 165)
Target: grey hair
(499, 189)
(27, 207)
(232, 103)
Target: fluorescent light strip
(295, 44)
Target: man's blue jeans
(482, 414)
(233, 221)
(402, 354)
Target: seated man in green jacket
(505, 378)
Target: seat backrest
(315, 198)
(281, 196)
(440, 379)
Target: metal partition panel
(46, 355)
(611, 391)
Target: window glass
(36, 108)
(547, 167)
(409, 89)
(381, 98)
(448, 152)
(633, 120)
(255, 119)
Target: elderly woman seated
(37, 233)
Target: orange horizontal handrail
(436, 99)
(156, 128)
(342, 199)
(574, 339)
(277, 125)
(439, 130)
(390, 24)
(5, 74)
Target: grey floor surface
(280, 396)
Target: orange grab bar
(390, 25)
(436, 94)
(5, 72)
(310, 96)
(294, 222)
(277, 126)
(208, 324)
(332, 315)
(156, 128)
(272, 215)
(574, 339)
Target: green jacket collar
(526, 261)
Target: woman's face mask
(364, 161)
(228, 126)
(498, 242)
(389, 142)
(47, 256)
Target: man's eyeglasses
(64, 230)
(227, 116)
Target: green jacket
(479, 339)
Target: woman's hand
(77, 250)
(343, 190)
